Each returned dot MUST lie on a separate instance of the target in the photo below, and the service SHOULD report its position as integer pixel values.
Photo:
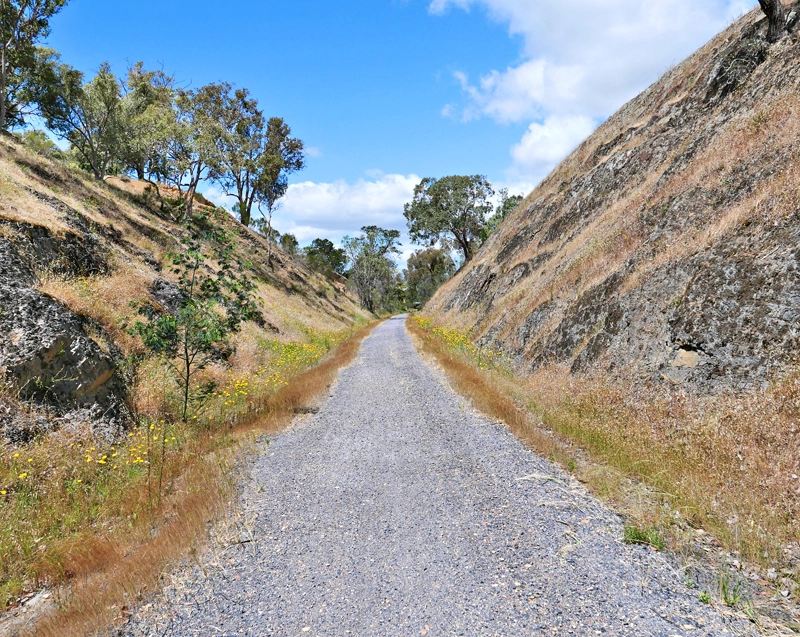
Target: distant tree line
(146, 126)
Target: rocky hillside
(78, 257)
(667, 246)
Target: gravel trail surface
(397, 510)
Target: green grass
(650, 537)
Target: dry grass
(106, 300)
(729, 465)
(128, 527)
(745, 171)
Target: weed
(704, 597)
(649, 537)
(747, 609)
(731, 589)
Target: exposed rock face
(167, 295)
(667, 244)
(44, 348)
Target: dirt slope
(78, 256)
(667, 245)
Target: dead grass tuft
(729, 465)
(118, 526)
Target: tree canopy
(325, 257)
(504, 208)
(451, 210)
(373, 272)
(88, 115)
(425, 273)
(23, 23)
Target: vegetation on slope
(72, 483)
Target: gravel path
(396, 510)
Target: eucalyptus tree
(282, 155)
(372, 268)
(88, 115)
(235, 162)
(149, 121)
(425, 273)
(289, 243)
(23, 23)
(192, 149)
(325, 257)
(504, 208)
(252, 156)
(451, 210)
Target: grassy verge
(679, 468)
(102, 519)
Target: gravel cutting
(396, 509)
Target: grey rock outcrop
(665, 248)
(45, 350)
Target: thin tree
(281, 155)
(193, 150)
(149, 120)
(88, 115)
(22, 24)
(239, 146)
(372, 270)
(214, 302)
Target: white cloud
(332, 210)
(581, 60)
(313, 151)
(217, 197)
(544, 145)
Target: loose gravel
(397, 510)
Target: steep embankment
(78, 261)
(665, 248)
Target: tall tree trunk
(269, 238)
(3, 83)
(244, 214)
(777, 19)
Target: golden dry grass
(763, 135)
(85, 509)
(727, 464)
(145, 528)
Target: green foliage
(88, 115)
(704, 597)
(289, 243)
(731, 589)
(373, 272)
(40, 143)
(426, 271)
(192, 146)
(214, 303)
(250, 156)
(23, 23)
(325, 257)
(149, 121)
(451, 210)
(650, 537)
(504, 208)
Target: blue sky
(384, 92)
